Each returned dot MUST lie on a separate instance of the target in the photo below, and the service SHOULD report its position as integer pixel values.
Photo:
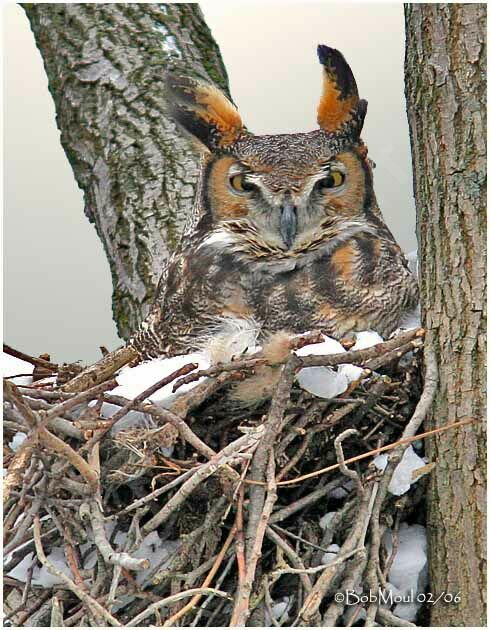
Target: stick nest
(211, 514)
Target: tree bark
(445, 69)
(105, 65)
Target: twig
(209, 578)
(293, 557)
(376, 451)
(360, 357)
(318, 568)
(153, 496)
(387, 618)
(232, 366)
(208, 599)
(351, 474)
(91, 603)
(102, 370)
(203, 472)
(110, 556)
(149, 391)
(27, 357)
(241, 610)
(153, 608)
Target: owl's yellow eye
(332, 180)
(239, 183)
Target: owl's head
(281, 194)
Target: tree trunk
(105, 65)
(446, 95)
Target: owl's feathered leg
(262, 384)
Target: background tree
(445, 72)
(105, 65)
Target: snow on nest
(405, 473)
(327, 382)
(17, 440)
(152, 547)
(132, 381)
(408, 574)
(240, 339)
(10, 366)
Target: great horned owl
(286, 230)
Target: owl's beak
(289, 223)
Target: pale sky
(57, 284)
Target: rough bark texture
(105, 65)
(446, 95)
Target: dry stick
(240, 540)
(421, 411)
(299, 538)
(387, 618)
(91, 603)
(201, 474)
(187, 402)
(268, 602)
(320, 567)
(209, 578)
(102, 370)
(232, 366)
(241, 610)
(156, 493)
(149, 391)
(209, 598)
(352, 576)
(355, 569)
(360, 357)
(24, 525)
(293, 557)
(153, 608)
(393, 355)
(314, 599)
(26, 614)
(376, 451)
(26, 357)
(52, 441)
(258, 467)
(351, 474)
(258, 515)
(85, 396)
(296, 457)
(43, 394)
(399, 343)
(110, 556)
(17, 467)
(308, 499)
(56, 612)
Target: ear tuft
(339, 104)
(204, 111)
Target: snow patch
(132, 381)
(17, 441)
(405, 473)
(409, 570)
(366, 339)
(326, 382)
(326, 520)
(10, 366)
(331, 555)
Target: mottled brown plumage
(286, 232)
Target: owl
(286, 233)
